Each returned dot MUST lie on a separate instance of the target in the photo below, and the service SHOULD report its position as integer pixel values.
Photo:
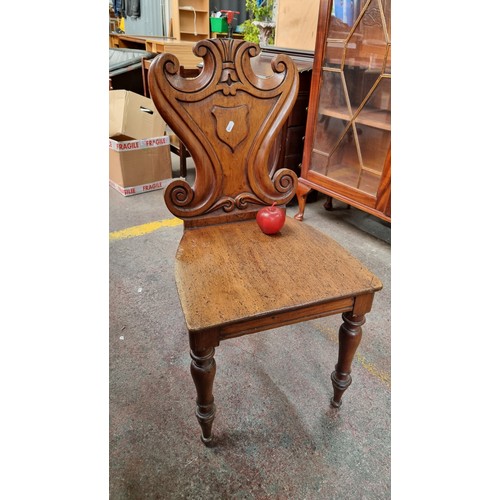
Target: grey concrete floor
(277, 435)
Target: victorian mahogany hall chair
(233, 279)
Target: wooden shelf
(196, 4)
(220, 34)
(184, 32)
(376, 118)
(201, 11)
(362, 179)
(190, 19)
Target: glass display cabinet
(347, 148)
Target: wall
(152, 20)
(296, 24)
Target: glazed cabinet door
(348, 135)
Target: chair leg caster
(206, 419)
(340, 381)
(208, 442)
(335, 404)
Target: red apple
(271, 219)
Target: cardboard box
(139, 150)
(134, 116)
(139, 166)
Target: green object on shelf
(218, 24)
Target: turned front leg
(203, 373)
(349, 339)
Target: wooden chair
(233, 279)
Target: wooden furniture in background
(121, 41)
(190, 19)
(125, 68)
(216, 34)
(114, 22)
(290, 141)
(182, 49)
(232, 278)
(296, 22)
(348, 137)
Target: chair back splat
(228, 118)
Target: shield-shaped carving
(232, 124)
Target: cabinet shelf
(377, 118)
(192, 4)
(348, 167)
(363, 179)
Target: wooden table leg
(203, 372)
(349, 338)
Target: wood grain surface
(234, 272)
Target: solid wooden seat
(264, 281)
(232, 278)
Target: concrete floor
(277, 435)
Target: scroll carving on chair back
(227, 117)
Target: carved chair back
(228, 118)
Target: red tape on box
(154, 142)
